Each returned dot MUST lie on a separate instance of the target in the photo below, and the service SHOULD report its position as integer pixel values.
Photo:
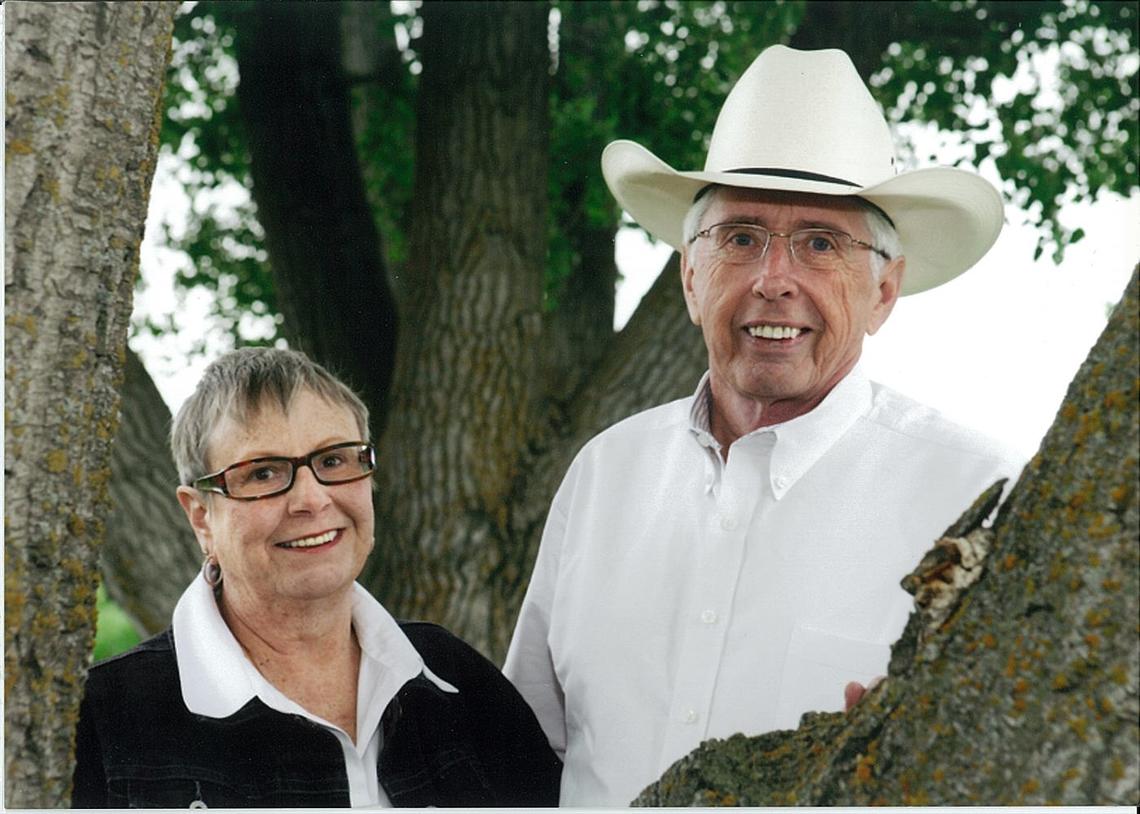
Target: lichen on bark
(83, 99)
(1027, 693)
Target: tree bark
(463, 395)
(150, 554)
(322, 242)
(1027, 693)
(579, 331)
(83, 105)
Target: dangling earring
(212, 571)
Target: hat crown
(803, 113)
(804, 122)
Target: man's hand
(854, 691)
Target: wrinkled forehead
(778, 210)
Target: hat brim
(946, 218)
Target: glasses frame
(707, 232)
(216, 482)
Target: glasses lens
(258, 478)
(821, 248)
(343, 462)
(739, 242)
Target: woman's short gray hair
(883, 234)
(238, 385)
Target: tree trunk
(1027, 693)
(463, 395)
(150, 554)
(83, 105)
(322, 243)
(580, 330)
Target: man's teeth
(309, 542)
(774, 331)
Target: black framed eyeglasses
(266, 477)
(820, 249)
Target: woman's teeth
(774, 331)
(310, 542)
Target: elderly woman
(281, 681)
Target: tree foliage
(1046, 91)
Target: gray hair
(238, 385)
(883, 234)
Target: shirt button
(781, 482)
(728, 523)
(691, 716)
(709, 616)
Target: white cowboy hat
(803, 121)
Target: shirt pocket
(167, 789)
(819, 664)
(179, 787)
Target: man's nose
(774, 273)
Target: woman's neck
(309, 653)
(287, 630)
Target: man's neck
(729, 426)
(733, 416)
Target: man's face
(759, 381)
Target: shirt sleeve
(529, 664)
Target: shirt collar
(218, 679)
(700, 415)
(800, 441)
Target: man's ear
(197, 512)
(687, 286)
(888, 288)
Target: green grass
(114, 632)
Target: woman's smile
(312, 542)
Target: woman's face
(307, 544)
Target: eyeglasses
(266, 477)
(820, 249)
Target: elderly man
(727, 562)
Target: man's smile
(766, 330)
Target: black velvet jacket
(139, 746)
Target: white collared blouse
(218, 678)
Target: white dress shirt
(677, 597)
(218, 678)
